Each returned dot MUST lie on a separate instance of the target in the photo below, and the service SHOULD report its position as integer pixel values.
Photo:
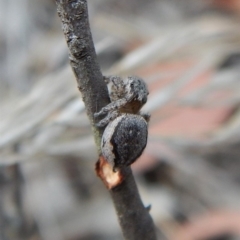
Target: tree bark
(134, 218)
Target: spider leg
(146, 116)
(111, 116)
(111, 107)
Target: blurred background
(188, 51)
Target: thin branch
(134, 218)
(83, 60)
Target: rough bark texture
(83, 60)
(134, 218)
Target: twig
(134, 218)
(83, 58)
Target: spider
(125, 136)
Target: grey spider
(125, 136)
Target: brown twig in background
(134, 218)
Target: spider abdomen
(124, 140)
